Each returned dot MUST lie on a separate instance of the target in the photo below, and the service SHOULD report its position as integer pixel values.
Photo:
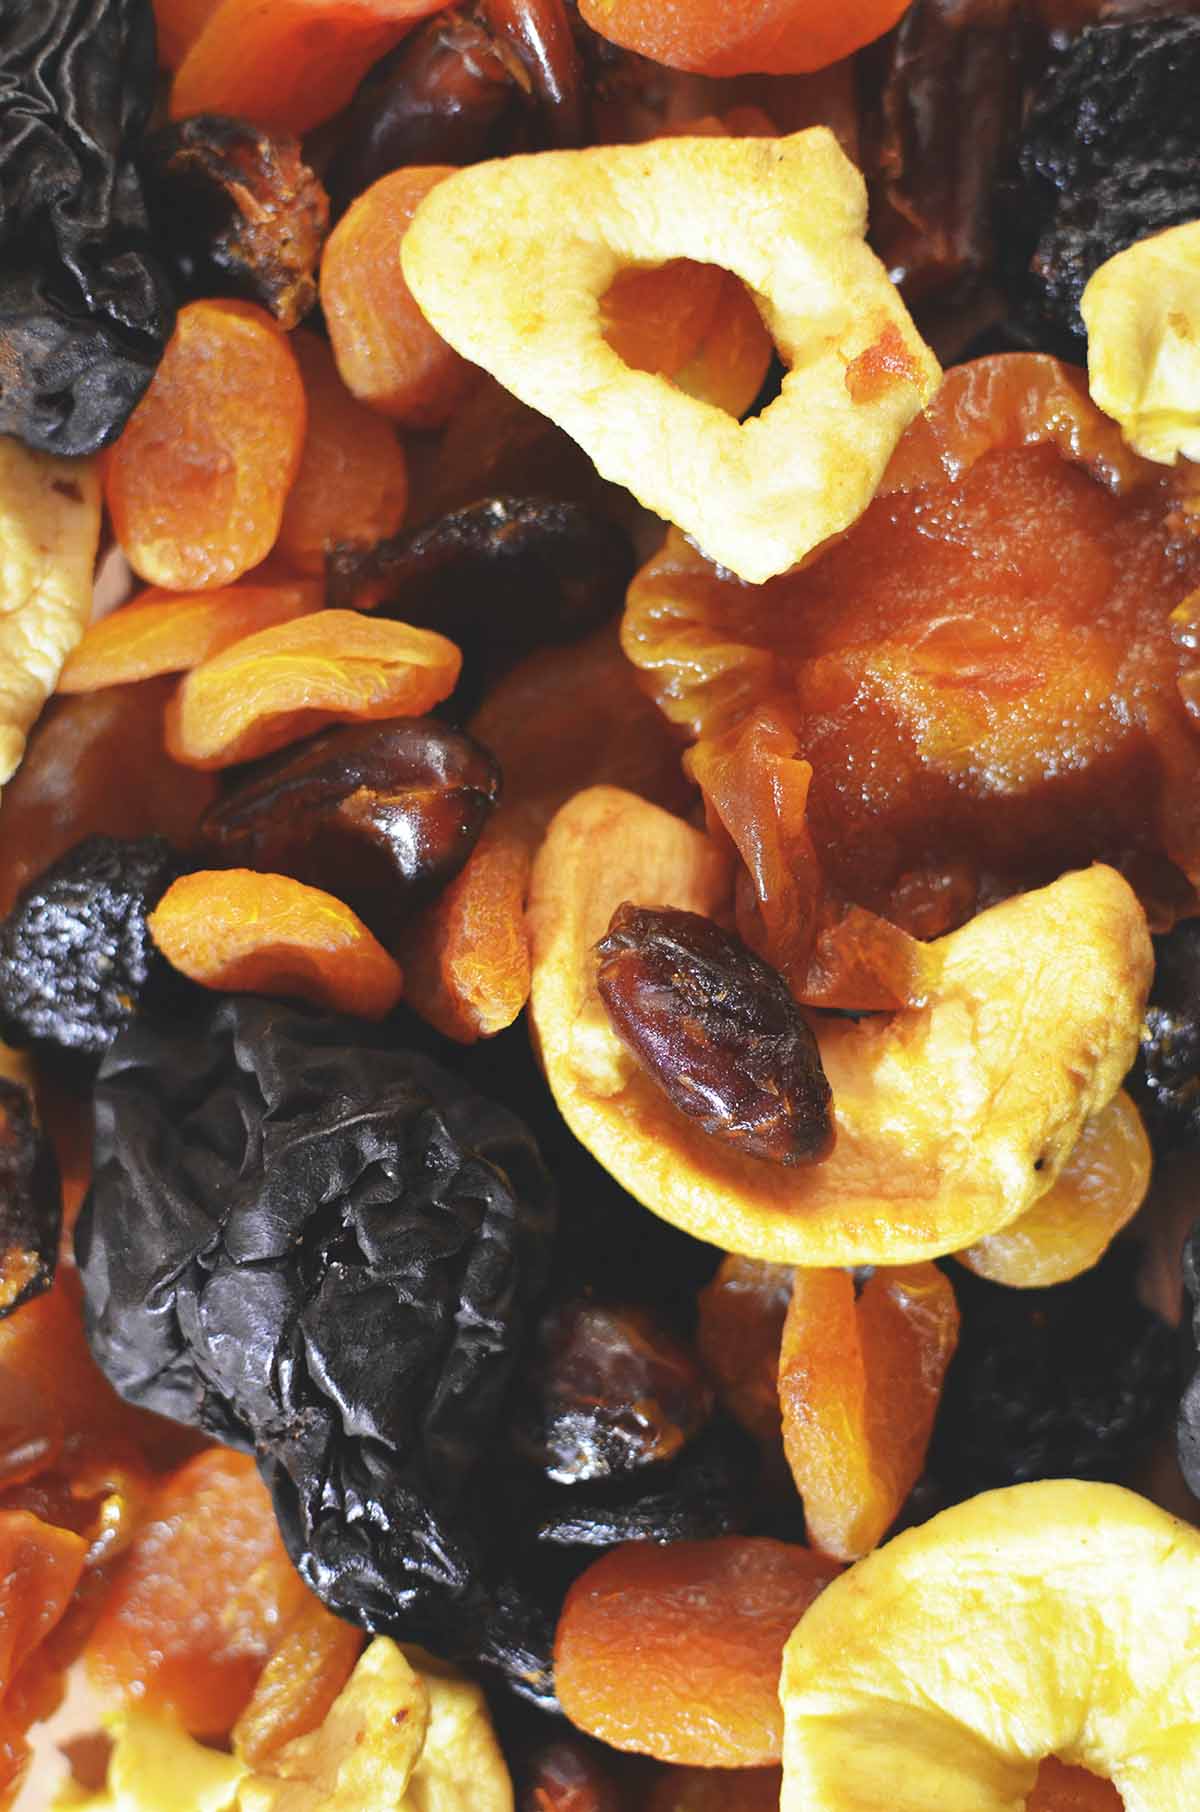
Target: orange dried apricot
(336, 666)
(716, 1790)
(239, 931)
(40, 1568)
(675, 1651)
(311, 1662)
(731, 362)
(738, 1337)
(95, 764)
(196, 1606)
(466, 956)
(287, 64)
(387, 353)
(656, 317)
(352, 485)
(197, 482)
(170, 631)
(1063, 1789)
(716, 38)
(981, 673)
(859, 1385)
(178, 23)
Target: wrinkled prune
(30, 1201)
(338, 1247)
(1110, 153)
(76, 957)
(718, 1030)
(704, 1492)
(381, 814)
(1067, 1382)
(1188, 1425)
(609, 1391)
(236, 212)
(85, 310)
(1166, 1077)
(499, 577)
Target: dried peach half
(1050, 1619)
(952, 1119)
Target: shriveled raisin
(705, 1491)
(1166, 1077)
(381, 814)
(237, 212)
(76, 956)
(30, 1200)
(718, 1030)
(610, 1391)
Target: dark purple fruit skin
(30, 1201)
(1166, 1078)
(718, 1030)
(382, 815)
(706, 1491)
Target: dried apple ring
(1099, 1190)
(952, 1119)
(524, 303)
(1057, 1618)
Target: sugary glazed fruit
(1054, 1619)
(1029, 1031)
(860, 1379)
(983, 674)
(741, 37)
(674, 1651)
(760, 494)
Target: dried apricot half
(715, 38)
(170, 631)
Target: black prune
(1067, 1382)
(236, 211)
(1187, 1430)
(1109, 153)
(85, 308)
(718, 1030)
(76, 956)
(338, 1247)
(704, 1492)
(1166, 1077)
(30, 1201)
(381, 814)
(608, 1391)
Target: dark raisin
(705, 1491)
(540, 34)
(76, 957)
(30, 1201)
(1110, 153)
(381, 814)
(338, 1249)
(1166, 1077)
(1068, 1382)
(1188, 1425)
(609, 1391)
(499, 577)
(718, 1030)
(85, 308)
(236, 212)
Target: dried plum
(1109, 153)
(705, 1492)
(381, 814)
(1188, 1425)
(1166, 1077)
(718, 1030)
(339, 1245)
(30, 1201)
(76, 956)
(236, 211)
(1067, 1382)
(608, 1391)
(85, 309)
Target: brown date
(718, 1030)
(30, 1201)
(236, 212)
(539, 33)
(610, 1391)
(382, 815)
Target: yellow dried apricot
(313, 1658)
(169, 632)
(738, 1336)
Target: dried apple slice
(1057, 1618)
(952, 1119)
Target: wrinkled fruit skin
(76, 957)
(705, 1492)
(1110, 153)
(236, 212)
(718, 1030)
(1067, 1382)
(339, 1245)
(85, 310)
(383, 815)
(1188, 1426)
(1166, 1078)
(30, 1201)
